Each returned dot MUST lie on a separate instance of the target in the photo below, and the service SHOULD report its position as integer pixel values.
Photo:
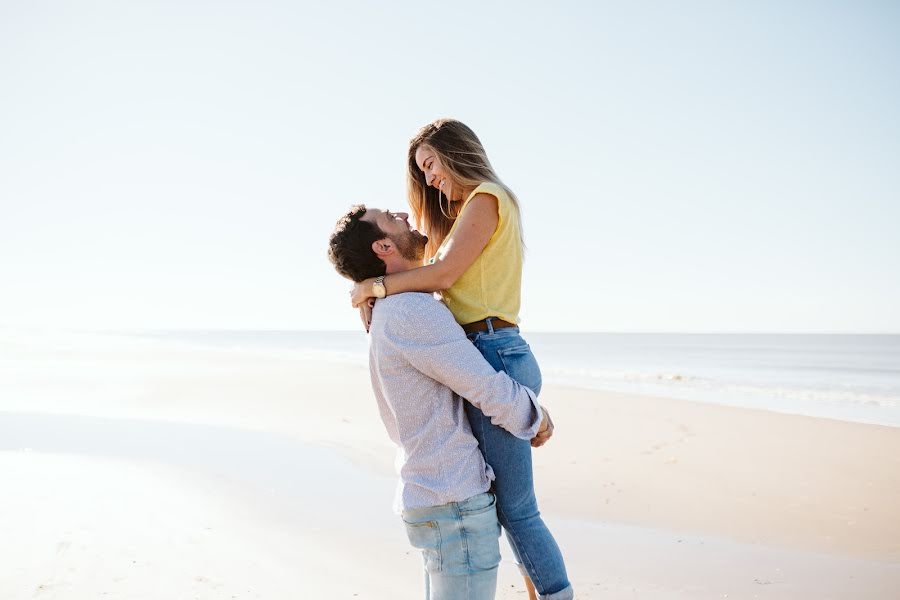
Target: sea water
(845, 377)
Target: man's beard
(410, 245)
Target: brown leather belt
(483, 326)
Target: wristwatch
(378, 287)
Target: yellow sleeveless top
(492, 285)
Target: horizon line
(120, 330)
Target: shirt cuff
(536, 413)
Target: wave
(683, 385)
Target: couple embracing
(456, 384)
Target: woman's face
(431, 166)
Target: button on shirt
(422, 365)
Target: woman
(475, 252)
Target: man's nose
(403, 216)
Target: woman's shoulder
(490, 188)
(492, 194)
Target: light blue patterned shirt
(422, 365)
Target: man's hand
(545, 432)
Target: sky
(682, 167)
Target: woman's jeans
(510, 458)
(460, 545)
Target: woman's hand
(545, 432)
(365, 313)
(361, 292)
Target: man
(422, 365)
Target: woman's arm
(477, 224)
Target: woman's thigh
(512, 354)
(508, 456)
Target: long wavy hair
(465, 161)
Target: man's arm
(432, 342)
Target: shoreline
(855, 405)
(852, 405)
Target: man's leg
(460, 544)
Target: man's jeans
(510, 457)
(460, 545)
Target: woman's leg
(510, 458)
(532, 593)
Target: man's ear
(383, 247)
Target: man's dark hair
(350, 246)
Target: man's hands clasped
(545, 432)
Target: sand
(146, 469)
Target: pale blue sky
(700, 167)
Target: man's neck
(399, 265)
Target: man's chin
(420, 249)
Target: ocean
(844, 377)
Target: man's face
(410, 243)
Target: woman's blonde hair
(465, 160)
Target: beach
(147, 468)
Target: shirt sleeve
(425, 332)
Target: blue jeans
(460, 546)
(510, 457)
